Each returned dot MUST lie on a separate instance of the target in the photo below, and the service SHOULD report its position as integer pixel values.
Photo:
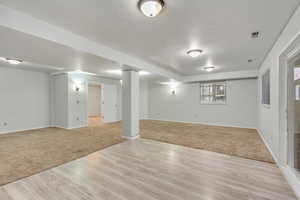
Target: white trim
(267, 145)
(75, 127)
(292, 179)
(131, 138)
(26, 129)
(203, 123)
(41, 127)
(62, 127)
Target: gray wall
(240, 109)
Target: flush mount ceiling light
(151, 8)
(209, 69)
(13, 61)
(194, 53)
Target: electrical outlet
(77, 118)
(5, 124)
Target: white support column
(130, 104)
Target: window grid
(213, 93)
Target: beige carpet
(26, 153)
(245, 143)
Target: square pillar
(130, 104)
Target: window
(213, 93)
(297, 92)
(265, 88)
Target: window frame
(213, 85)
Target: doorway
(95, 117)
(102, 104)
(289, 146)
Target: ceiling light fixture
(13, 61)
(209, 69)
(151, 8)
(194, 53)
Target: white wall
(269, 117)
(77, 101)
(94, 100)
(240, 109)
(144, 96)
(24, 101)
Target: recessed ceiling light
(194, 53)
(151, 8)
(209, 68)
(13, 61)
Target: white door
(109, 103)
(94, 101)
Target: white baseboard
(62, 127)
(268, 146)
(26, 129)
(292, 179)
(204, 123)
(75, 127)
(131, 138)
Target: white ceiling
(32, 49)
(221, 28)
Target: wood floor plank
(149, 170)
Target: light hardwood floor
(95, 121)
(149, 170)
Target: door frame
(100, 86)
(287, 57)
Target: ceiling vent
(255, 34)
